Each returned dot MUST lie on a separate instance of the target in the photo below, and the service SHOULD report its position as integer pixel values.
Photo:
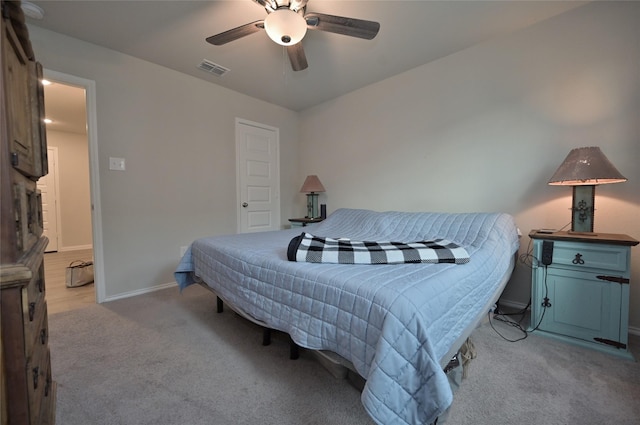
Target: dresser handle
(578, 259)
(47, 386)
(41, 285)
(36, 372)
(43, 336)
(616, 279)
(32, 310)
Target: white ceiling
(172, 34)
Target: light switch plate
(116, 164)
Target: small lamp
(311, 186)
(584, 168)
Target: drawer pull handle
(43, 336)
(32, 310)
(616, 344)
(47, 387)
(616, 279)
(578, 259)
(40, 285)
(36, 372)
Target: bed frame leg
(294, 350)
(220, 305)
(266, 336)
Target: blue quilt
(394, 322)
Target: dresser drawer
(28, 214)
(34, 312)
(591, 256)
(35, 288)
(37, 333)
(48, 412)
(38, 381)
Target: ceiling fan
(287, 24)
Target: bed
(397, 325)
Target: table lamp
(584, 168)
(311, 186)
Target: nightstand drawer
(591, 256)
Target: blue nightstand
(582, 295)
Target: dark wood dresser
(27, 391)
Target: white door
(48, 186)
(258, 177)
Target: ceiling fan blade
(341, 25)
(297, 57)
(235, 33)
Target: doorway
(70, 104)
(258, 177)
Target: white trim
(94, 173)
(137, 292)
(74, 248)
(512, 304)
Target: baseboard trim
(519, 306)
(130, 294)
(74, 248)
(512, 304)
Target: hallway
(59, 297)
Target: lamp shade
(312, 184)
(285, 27)
(586, 166)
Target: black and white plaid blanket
(313, 249)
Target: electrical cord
(529, 260)
(509, 322)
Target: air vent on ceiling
(213, 68)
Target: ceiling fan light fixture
(285, 27)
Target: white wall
(484, 130)
(75, 196)
(177, 134)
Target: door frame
(276, 130)
(94, 173)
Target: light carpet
(167, 358)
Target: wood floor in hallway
(59, 297)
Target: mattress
(394, 323)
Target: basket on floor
(79, 273)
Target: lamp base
(583, 208)
(312, 205)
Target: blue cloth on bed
(395, 323)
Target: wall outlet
(117, 164)
(183, 250)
